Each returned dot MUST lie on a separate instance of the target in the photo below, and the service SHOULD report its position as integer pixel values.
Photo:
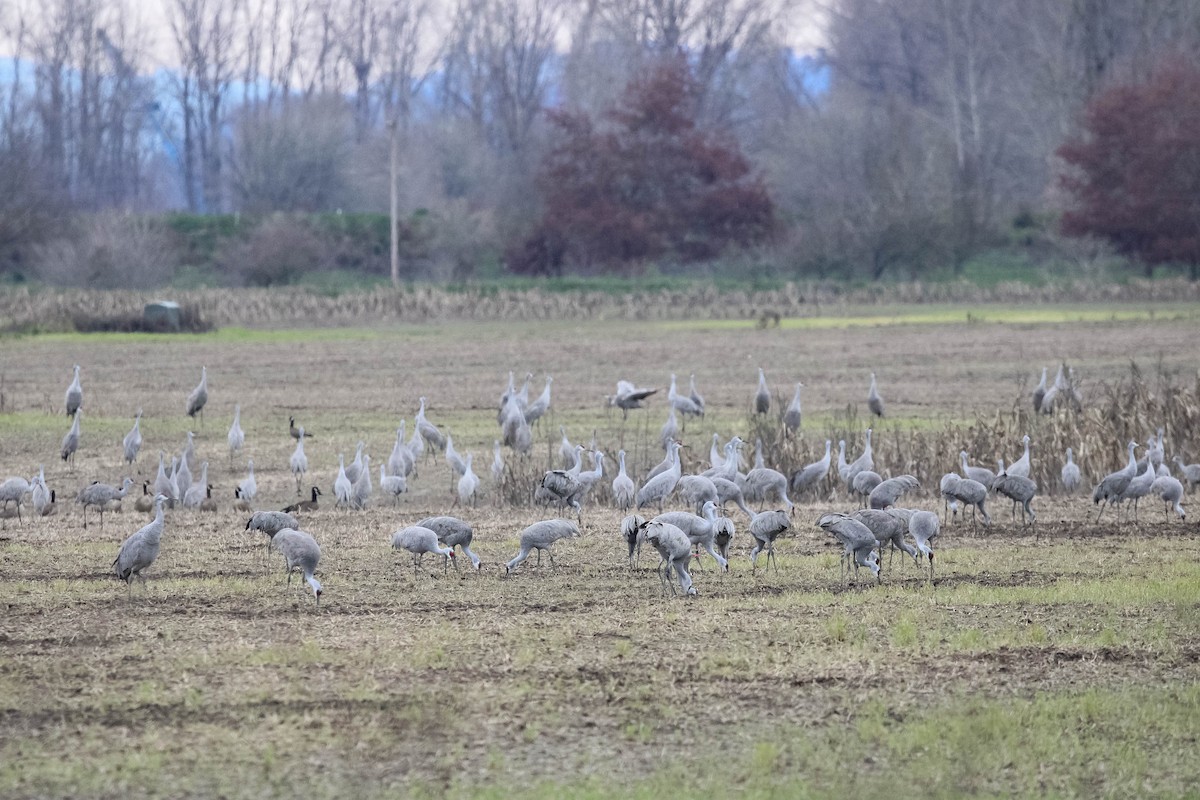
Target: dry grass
(1065, 666)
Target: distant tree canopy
(1135, 169)
(645, 182)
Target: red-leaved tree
(1135, 170)
(644, 182)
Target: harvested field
(1060, 664)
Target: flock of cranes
(679, 536)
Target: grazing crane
(684, 405)
(675, 549)
(766, 527)
(857, 540)
(888, 492)
(248, 487)
(132, 442)
(811, 475)
(99, 495)
(418, 541)
(74, 397)
(866, 461)
(13, 490)
(1112, 487)
(1071, 478)
(874, 401)
(300, 551)
(271, 523)
(468, 484)
(981, 474)
(299, 461)
(395, 485)
(700, 530)
(696, 490)
(360, 495)
(140, 550)
(969, 493)
(199, 396)
(632, 529)
(305, 505)
(923, 527)
(429, 432)
(762, 483)
(794, 413)
(341, 484)
(696, 398)
(453, 532)
(1020, 467)
(657, 489)
(623, 488)
(541, 536)
(628, 397)
(401, 461)
(1190, 472)
(1167, 487)
(236, 438)
(538, 408)
(1019, 490)
(729, 492)
(889, 528)
(355, 467)
(70, 442)
(762, 398)
(198, 492)
(670, 429)
(1039, 392)
(864, 483)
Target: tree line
(554, 136)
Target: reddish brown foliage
(646, 182)
(1136, 168)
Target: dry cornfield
(1061, 664)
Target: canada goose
(305, 505)
(145, 503)
(208, 504)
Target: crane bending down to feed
(857, 540)
(419, 540)
(675, 549)
(453, 532)
(541, 536)
(766, 527)
(140, 550)
(300, 551)
(632, 529)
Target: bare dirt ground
(1029, 665)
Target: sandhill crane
(416, 444)
(506, 395)
(728, 468)
(199, 396)
(888, 528)
(189, 451)
(715, 459)
(696, 398)
(874, 401)
(729, 492)
(766, 527)
(857, 540)
(632, 528)
(1190, 473)
(197, 493)
(305, 505)
(843, 467)
(74, 396)
(863, 483)
(981, 474)
(70, 442)
(132, 442)
(1071, 478)
(455, 461)
(248, 487)
(969, 493)
(360, 495)
(762, 397)
(400, 462)
(760, 461)
(589, 478)
(1155, 451)
(696, 490)
(541, 536)
(300, 551)
(236, 438)
(1111, 488)
(811, 475)
(628, 397)
(623, 489)
(562, 485)
(1019, 490)
(657, 489)
(453, 532)
(670, 429)
(355, 467)
(675, 549)
(949, 503)
(567, 451)
(1073, 393)
(418, 541)
(140, 550)
(866, 461)
(429, 432)
(677, 402)
(395, 485)
(271, 523)
(299, 461)
(794, 413)
(888, 492)
(13, 490)
(538, 408)
(42, 495)
(923, 527)
(701, 530)
(468, 484)
(342, 484)
(1139, 487)
(163, 484)
(522, 396)
(1039, 392)
(99, 495)
(1020, 467)
(763, 483)
(1166, 487)
(182, 475)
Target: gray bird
(763, 483)
(300, 551)
(695, 396)
(696, 490)
(631, 531)
(1139, 487)
(342, 485)
(1112, 487)
(1071, 477)
(1020, 467)
(766, 527)
(401, 461)
(395, 485)
(684, 405)
(1039, 393)
(541, 536)
(74, 397)
(538, 408)
(132, 442)
(888, 492)
(657, 489)
(13, 490)
(1190, 473)
(675, 549)
(969, 493)
(198, 492)
(140, 550)
(1166, 487)
(923, 527)
(700, 530)
(236, 438)
(354, 468)
(670, 429)
(199, 396)
(811, 475)
(623, 488)
(864, 482)
(419, 540)
(794, 413)
(163, 484)
(99, 495)
(271, 523)
(866, 461)
(453, 532)
(729, 492)
(1019, 490)
(456, 462)
(628, 397)
(981, 474)
(856, 539)
(874, 401)
(43, 496)
(468, 484)
(70, 442)
(889, 528)
(299, 461)
(360, 495)
(762, 398)
(429, 432)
